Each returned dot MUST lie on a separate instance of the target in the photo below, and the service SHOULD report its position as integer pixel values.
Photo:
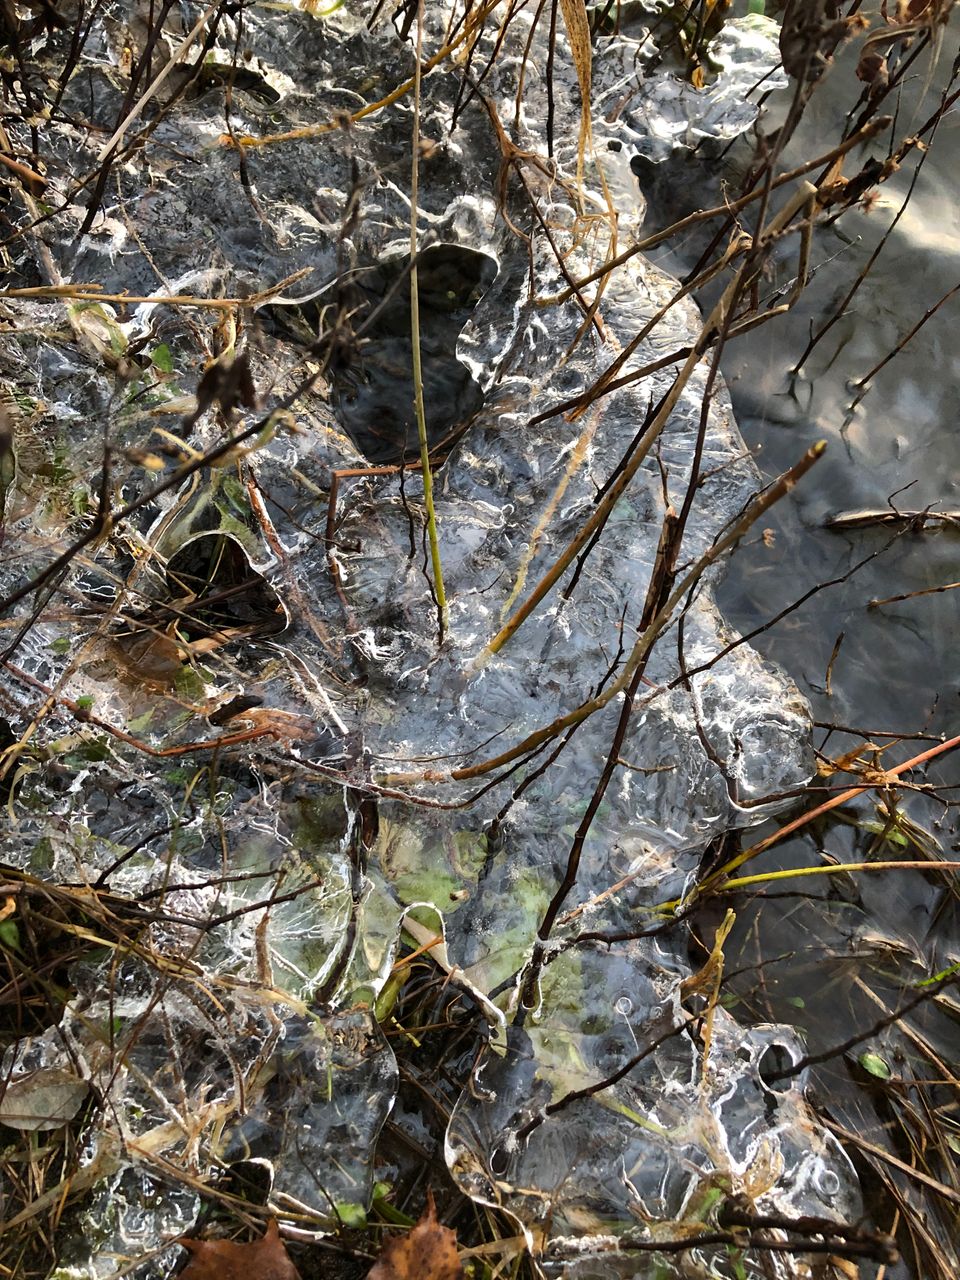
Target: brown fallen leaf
(427, 1252)
(42, 1100)
(263, 1259)
(872, 69)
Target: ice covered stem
(714, 324)
(529, 986)
(439, 594)
(577, 22)
(752, 513)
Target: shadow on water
(374, 388)
(875, 652)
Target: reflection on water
(840, 954)
(902, 440)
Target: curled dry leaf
(42, 1100)
(905, 11)
(427, 1252)
(284, 726)
(810, 34)
(872, 68)
(263, 1259)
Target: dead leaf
(226, 382)
(152, 657)
(427, 1252)
(99, 335)
(263, 1259)
(284, 726)
(872, 68)
(42, 1100)
(706, 982)
(810, 35)
(911, 11)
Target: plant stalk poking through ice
(438, 591)
(601, 513)
(645, 642)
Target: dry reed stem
(884, 778)
(757, 508)
(714, 324)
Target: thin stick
(734, 206)
(882, 780)
(949, 1193)
(862, 385)
(175, 59)
(912, 595)
(441, 597)
(757, 508)
(93, 293)
(715, 322)
(317, 130)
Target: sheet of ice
(247, 1030)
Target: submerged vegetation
(379, 777)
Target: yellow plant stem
(837, 868)
(470, 29)
(883, 778)
(94, 293)
(441, 597)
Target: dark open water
(834, 955)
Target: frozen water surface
(267, 875)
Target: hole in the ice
(774, 1061)
(611, 1053)
(375, 393)
(249, 1180)
(215, 590)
